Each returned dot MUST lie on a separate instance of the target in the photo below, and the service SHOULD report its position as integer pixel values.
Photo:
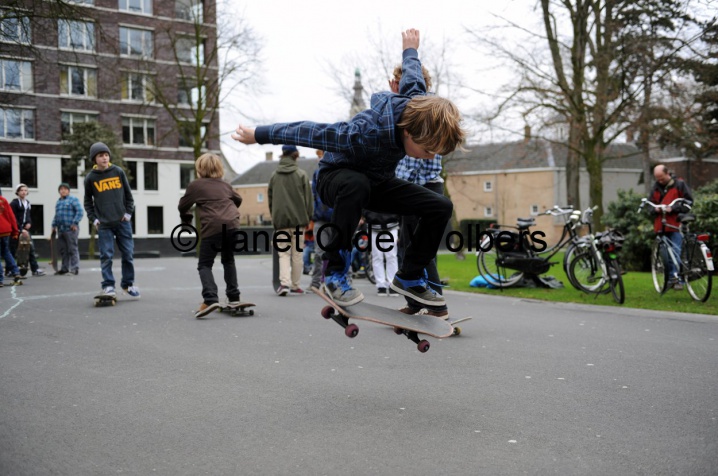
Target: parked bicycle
(505, 257)
(596, 269)
(694, 265)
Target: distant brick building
(100, 66)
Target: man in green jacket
(291, 205)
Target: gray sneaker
(419, 290)
(341, 292)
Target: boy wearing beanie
(66, 225)
(109, 205)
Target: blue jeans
(107, 234)
(7, 256)
(307, 254)
(676, 240)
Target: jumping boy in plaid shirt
(357, 172)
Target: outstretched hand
(245, 135)
(410, 39)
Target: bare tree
(209, 66)
(592, 81)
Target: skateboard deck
(22, 255)
(53, 253)
(409, 325)
(241, 309)
(104, 300)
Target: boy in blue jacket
(357, 173)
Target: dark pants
(407, 231)
(220, 243)
(349, 192)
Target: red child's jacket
(676, 188)
(8, 225)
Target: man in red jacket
(8, 229)
(666, 189)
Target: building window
(191, 96)
(14, 29)
(190, 51)
(137, 87)
(260, 197)
(37, 214)
(488, 212)
(136, 130)
(186, 174)
(68, 119)
(132, 176)
(76, 35)
(488, 186)
(69, 172)
(134, 42)
(534, 209)
(186, 134)
(17, 123)
(151, 176)
(155, 225)
(136, 6)
(192, 10)
(77, 81)
(5, 171)
(28, 171)
(15, 75)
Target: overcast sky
(302, 36)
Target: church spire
(358, 104)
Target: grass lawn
(639, 288)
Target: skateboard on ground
(53, 253)
(105, 300)
(22, 256)
(237, 310)
(409, 325)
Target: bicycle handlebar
(662, 206)
(557, 211)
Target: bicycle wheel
(492, 273)
(586, 273)
(615, 281)
(659, 271)
(698, 278)
(574, 248)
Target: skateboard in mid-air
(237, 310)
(407, 324)
(105, 300)
(22, 256)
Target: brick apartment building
(98, 65)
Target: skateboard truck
(421, 344)
(351, 330)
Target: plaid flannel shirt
(367, 142)
(420, 171)
(68, 212)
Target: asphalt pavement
(528, 388)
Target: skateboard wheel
(457, 331)
(327, 312)
(251, 312)
(398, 331)
(423, 346)
(352, 330)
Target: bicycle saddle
(686, 217)
(525, 222)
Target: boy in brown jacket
(217, 204)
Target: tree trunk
(594, 167)
(573, 166)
